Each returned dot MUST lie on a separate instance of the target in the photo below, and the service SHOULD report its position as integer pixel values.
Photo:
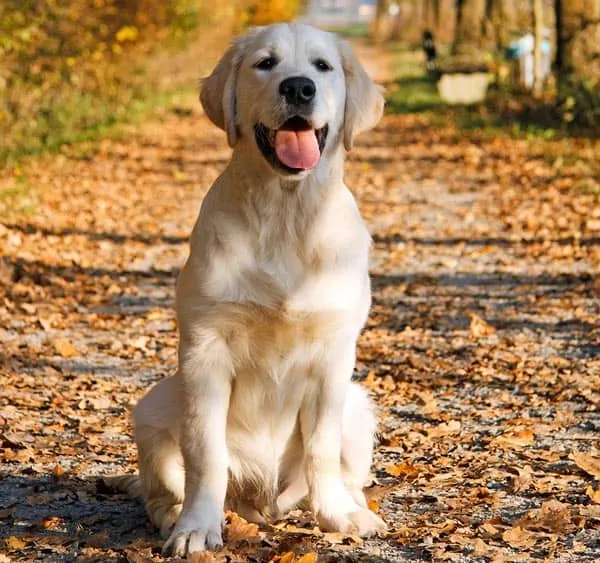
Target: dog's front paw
(338, 511)
(361, 522)
(199, 531)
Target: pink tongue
(297, 149)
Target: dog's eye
(266, 64)
(322, 65)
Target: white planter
(463, 88)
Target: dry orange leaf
(403, 469)
(13, 543)
(201, 557)
(240, 529)
(58, 471)
(308, 558)
(588, 462)
(523, 480)
(445, 428)
(339, 538)
(518, 538)
(373, 505)
(65, 348)
(479, 328)
(490, 529)
(288, 557)
(594, 494)
(552, 516)
(518, 439)
(480, 548)
(51, 522)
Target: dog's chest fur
(291, 253)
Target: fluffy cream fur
(261, 412)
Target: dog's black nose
(298, 90)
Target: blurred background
(72, 68)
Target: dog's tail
(130, 484)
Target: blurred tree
(578, 60)
(470, 28)
(538, 68)
(381, 13)
(504, 24)
(578, 52)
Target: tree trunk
(559, 57)
(470, 27)
(381, 10)
(580, 38)
(445, 25)
(538, 27)
(504, 18)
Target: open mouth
(294, 147)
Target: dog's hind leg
(358, 437)
(159, 456)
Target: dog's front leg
(321, 424)
(205, 386)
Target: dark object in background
(429, 48)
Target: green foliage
(413, 94)
(74, 66)
(579, 102)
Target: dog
(262, 413)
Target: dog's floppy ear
(364, 99)
(217, 91)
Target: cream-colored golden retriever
(261, 412)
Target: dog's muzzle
(293, 147)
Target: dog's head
(295, 92)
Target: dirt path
(482, 349)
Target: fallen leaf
(479, 328)
(588, 462)
(480, 548)
(65, 348)
(519, 439)
(593, 494)
(553, 516)
(523, 480)
(6, 512)
(97, 540)
(490, 529)
(51, 523)
(288, 557)
(445, 428)
(404, 469)
(37, 499)
(240, 529)
(308, 558)
(518, 538)
(340, 538)
(13, 543)
(58, 472)
(201, 557)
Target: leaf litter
(482, 350)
